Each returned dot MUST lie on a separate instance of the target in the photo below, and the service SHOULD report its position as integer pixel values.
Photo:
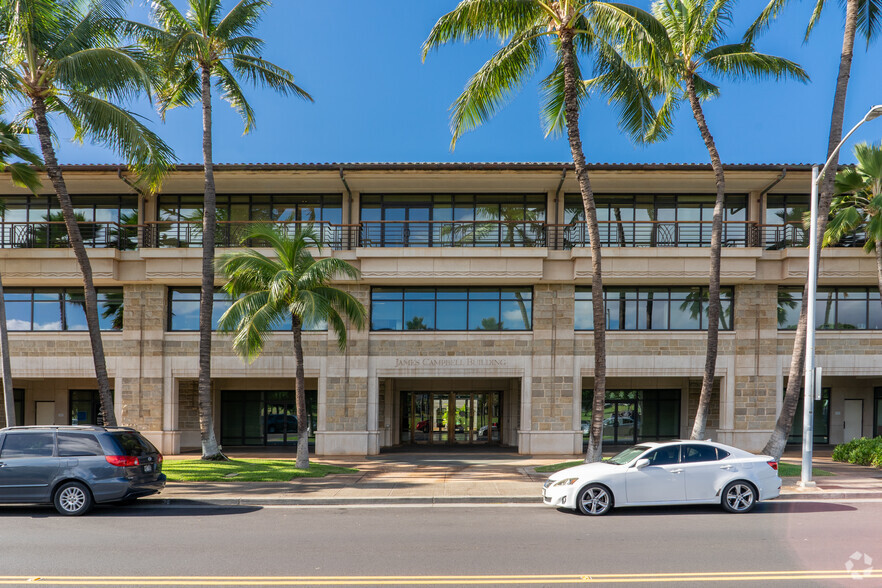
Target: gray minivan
(75, 467)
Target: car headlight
(566, 482)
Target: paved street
(499, 545)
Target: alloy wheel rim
(72, 499)
(740, 497)
(595, 501)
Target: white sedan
(676, 472)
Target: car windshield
(627, 455)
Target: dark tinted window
(695, 453)
(133, 444)
(722, 453)
(78, 444)
(33, 444)
(664, 455)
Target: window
(78, 444)
(632, 416)
(30, 444)
(18, 398)
(877, 413)
(653, 309)
(60, 309)
(457, 220)
(821, 418)
(683, 220)
(664, 456)
(37, 221)
(698, 453)
(784, 217)
(183, 311)
(451, 309)
(133, 444)
(835, 308)
(183, 215)
(85, 407)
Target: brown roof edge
(501, 166)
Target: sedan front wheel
(594, 500)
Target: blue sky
(376, 101)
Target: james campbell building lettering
(451, 362)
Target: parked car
(675, 472)
(482, 432)
(278, 423)
(75, 467)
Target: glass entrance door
(450, 418)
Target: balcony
(485, 233)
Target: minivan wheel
(594, 500)
(73, 499)
(739, 496)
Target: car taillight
(159, 458)
(773, 464)
(122, 461)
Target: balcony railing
(452, 234)
(171, 234)
(53, 234)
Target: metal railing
(53, 234)
(494, 233)
(655, 234)
(233, 233)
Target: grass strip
(244, 470)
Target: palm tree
(194, 49)
(569, 30)
(865, 17)
(691, 49)
(63, 57)
(294, 287)
(24, 176)
(859, 203)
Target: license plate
(148, 469)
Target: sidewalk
(457, 478)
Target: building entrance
(451, 418)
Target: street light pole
(810, 384)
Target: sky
(377, 101)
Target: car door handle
(2, 465)
(677, 471)
(726, 467)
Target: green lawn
(245, 470)
(785, 470)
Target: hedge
(863, 451)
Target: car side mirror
(641, 463)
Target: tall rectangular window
(653, 309)
(451, 309)
(61, 309)
(842, 309)
(183, 311)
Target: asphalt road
(171, 546)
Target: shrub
(861, 451)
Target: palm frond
(109, 71)
(765, 18)
(232, 93)
(260, 71)
(739, 61)
(242, 19)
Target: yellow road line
(746, 576)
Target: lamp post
(810, 375)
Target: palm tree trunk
(300, 397)
(778, 439)
(8, 392)
(878, 265)
(571, 113)
(210, 450)
(713, 309)
(76, 242)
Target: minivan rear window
(78, 444)
(131, 443)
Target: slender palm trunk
(210, 450)
(76, 243)
(8, 393)
(571, 112)
(713, 308)
(778, 439)
(300, 397)
(878, 265)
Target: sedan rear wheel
(73, 499)
(594, 500)
(739, 497)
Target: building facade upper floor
(423, 205)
